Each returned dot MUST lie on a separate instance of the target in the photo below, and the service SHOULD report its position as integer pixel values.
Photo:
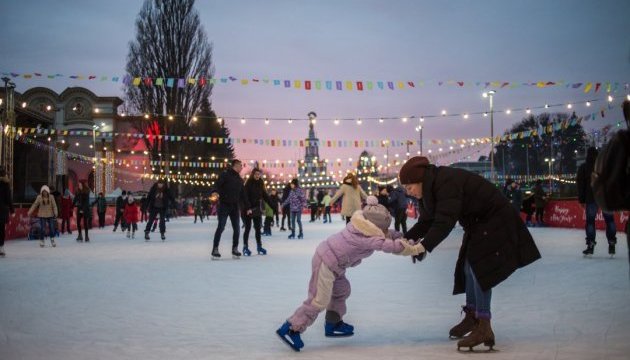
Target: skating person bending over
(329, 288)
(496, 242)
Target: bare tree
(170, 43)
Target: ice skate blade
(289, 344)
(236, 257)
(340, 335)
(471, 349)
(214, 258)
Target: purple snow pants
(325, 291)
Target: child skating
(329, 288)
(130, 214)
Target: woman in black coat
(6, 206)
(252, 210)
(496, 241)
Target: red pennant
(273, 142)
(307, 85)
(550, 83)
(360, 85)
(301, 143)
(597, 86)
(148, 81)
(411, 84)
(505, 84)
(91, 77)
(356, 143)
(202, 82)
(460, 83)
(603, 113)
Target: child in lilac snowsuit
(329, 288)
(296, 201)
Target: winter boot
(261, 250)
(215, 254)
(146, 236)
(52, 242)
(80, 237)
(87, 238)
(246, 251)
(590, 247)
(133, 235)
(290, 337)
(42, 243)
(163, 236)
(301, 236)
(235, 253)
(292, 236)
(482, 333)
(128, 233)
(465, 326)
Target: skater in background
(286, 210)
(528, 209)
(82, 203)
(120, 207)
(230, 192)
(101, 209)
(352, 195)
(320, 205)
(514, 195)
(252, 210)
(159, 200)
(329, 288)
(587, 202)
(46, 213)
(398, 203)
(268, 220)
(275, 206)
(6, 207)
(382, 197)
(540, 200)
(313, 205)
(496, 241)
(198, 208)
(144, 216)
(131, 216)
(296, 201)
(66, 212)
(326, 204)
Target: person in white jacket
(352, 196)
(46, 213)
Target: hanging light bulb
(528, 111)
(266, 121)
(336, 121)
(359, 121)
(508, 111)
(588, 104)
(242, 120)
(610, 98)
(546, 106)
(485, 114)
(220, 120)
(194, 119)
(569, 106)
(465, 116)
(290, 121)
(404, 119)
(170, 117)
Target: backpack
(610, 179)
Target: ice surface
(117, 298)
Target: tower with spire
(313, 170)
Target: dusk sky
(470, 41)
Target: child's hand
(410, 249)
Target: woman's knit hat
(413, 170)
(377, 214)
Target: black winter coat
(285, 195)
(120, 204)
(230, 187)
(585, 191)
(169, 199)
(254, 193)
(6, 203)
(496, 241)
(82, 202)
(275, 201)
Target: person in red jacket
(66, 211)
(130, 214)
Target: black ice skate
(236, 254)
(611, 250)
(215, 254)
(590, 247)
(146, 236)
(163, 237)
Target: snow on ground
(118, 298)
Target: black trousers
(101, 219)
(65, 224)
(153, 213)
(540, 212)
(223, 212)
(2, 232)
(267, 224)
(286, 214)
(85, 218)
(401, 220)
(248, 220)
(119, 219)
(200, 216)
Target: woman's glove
(410, 249)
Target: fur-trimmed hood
(364, 226)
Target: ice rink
(118, 298)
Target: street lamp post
(550, 162)
(490, 94)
